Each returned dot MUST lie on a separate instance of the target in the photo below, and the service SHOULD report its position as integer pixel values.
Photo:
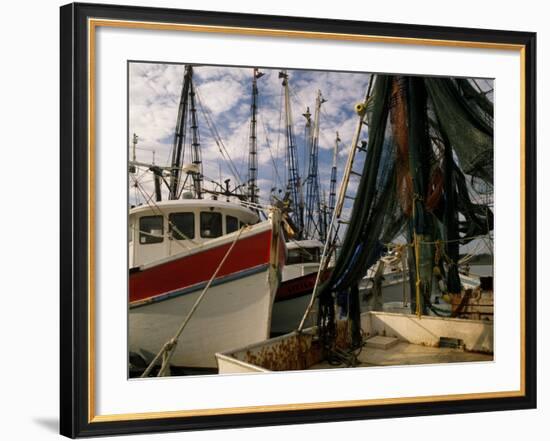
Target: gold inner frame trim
(260, 32)
(301, 406)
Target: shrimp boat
(202, 257)
(175, 248)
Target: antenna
(134, 143)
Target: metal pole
(333, 176)
(179, 135)
(195, 144)
(134, 143)
(294, 184)
(253, 144)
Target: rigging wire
(149, 199)
(217, 138)
(277, 151)
(244, 161)
(268, 143)
(138, 179)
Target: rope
(257, 206)
(168, 349)
(391, 245)
(154, 207)
(268, 143)
(417, 284)
(323, 264)
(301, 103)
(403, 276)
(277, 150)
(302, 248)
(471, 254)
(217, 138)
(329, 248)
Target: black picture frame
(76, 418)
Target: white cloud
(226, 93)
(221, 95)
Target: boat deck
(404, 353)
(391, 339)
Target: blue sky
(154, 92)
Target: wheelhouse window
(181, 225)
(231, 224)
(211, 224)
(151, 229)
(302, 255)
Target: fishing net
(426, 138)
(376, 215)
(466, 124)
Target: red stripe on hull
(299, 286)
(199, 267)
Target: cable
(217, 138)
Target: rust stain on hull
(295, 351)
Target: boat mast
(179, 136)
(323, 220)
(157, 179)
(313, 199)
(187, 103)
(294, 186)
(253, 191)
(134, 143)
(196, 156)
(308, 142)
(332, 192)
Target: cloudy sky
(225, 93)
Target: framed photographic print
(273, 220)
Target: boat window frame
(154, 239)
(171, 230)
(237, 220)
(297, 256)
(217, 214)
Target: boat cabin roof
(232, 208)
(162, 229)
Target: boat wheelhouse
(167, 228)
(303, 258)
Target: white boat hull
(234, 313)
